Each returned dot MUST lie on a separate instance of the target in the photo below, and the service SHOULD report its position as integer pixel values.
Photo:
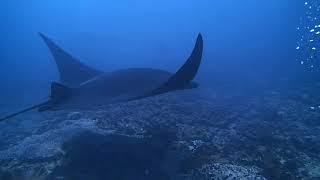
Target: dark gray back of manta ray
(73, 73)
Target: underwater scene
(160, 90)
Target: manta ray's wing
(72, 72)
(183, 77)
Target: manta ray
(81, 86)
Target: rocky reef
(193, 134)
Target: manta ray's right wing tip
(199, 41)
(184, 76)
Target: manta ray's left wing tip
(72, 71)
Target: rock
(96, 156)
(314, 170)
(216, 135)
(221, 171)
(74, 116)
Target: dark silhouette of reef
(198, 134)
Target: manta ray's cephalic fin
(183, 77)
(72, 71)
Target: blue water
(239, 36)
(259, 48)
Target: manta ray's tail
(23, 111)
(59, 92)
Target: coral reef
(194, 134)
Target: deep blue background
(245, 40)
